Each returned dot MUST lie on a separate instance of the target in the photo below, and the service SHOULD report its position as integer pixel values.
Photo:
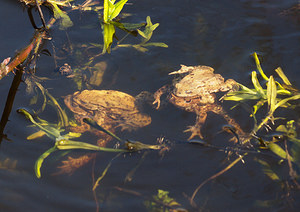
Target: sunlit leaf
(140, 48)
(279, 71)
(149, 28)
(278, 151)
(40, 160)
(63, 118)
(241, 96)
(65, 21)
(105, 11)
(142, 34)
(50, 131)
(117, 9)
(257, 85)
(156, 44)
(108, 34)
(36, 135)
(258, 105)
(271, 94)
(64, 144)
(72, 135)
(284, 101)
(259, 67)
(281, 128)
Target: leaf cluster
(273, 93)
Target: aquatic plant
(62, 142)
(276, 95)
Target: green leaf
(65, 21)
(257, 85)
(117, 9)
(281, 128)
(72, 135)
(271, 94)
(50, 131)
(108, 34)
(36, 135)
(156, 44)
(40, 160)
(284, 101)
(279, 71)
(149, 28)
(64, 144)
(278, 151)
(140, 48)
(259, 67)
(241, 96)
(258, 105)
(105, 11)
(142, 34)
(268, 170)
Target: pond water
(222, 34)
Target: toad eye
(188, 100)
(188, 91)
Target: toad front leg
(159, 93)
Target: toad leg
(158, 94)
(196, 129)
(220, 111)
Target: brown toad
(195, 92)
(109, 108)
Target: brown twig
(213, 177)
(292, 172)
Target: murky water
(221, 34)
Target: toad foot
(195, 130)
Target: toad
(196, 92)
(109, 108)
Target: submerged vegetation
(268, 96)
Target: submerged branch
(213, 177)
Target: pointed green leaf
(281, 128)
(268, 170)
(153, 27)
(64, 144)
(258, 105)
(278, 151)
(36, 135)
(40, 160)
(259, 67)
(142, 34)
(65, 21)
(117, 9)
(279, 71)
(271, 94)
(156, 44)
(149, 28)
(257, 85)
(284, 101)
(108, 34)
(140, 48)
(105, 11)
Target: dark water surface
(222, 34)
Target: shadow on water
(221, 34)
